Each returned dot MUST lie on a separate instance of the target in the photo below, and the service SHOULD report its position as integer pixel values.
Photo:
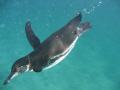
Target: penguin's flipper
(32, 38)
(37, 68)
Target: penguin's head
(20, 66)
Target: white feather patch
(63, 55)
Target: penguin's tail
(83, 28)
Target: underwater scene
(93, 63)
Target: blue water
(93, 64)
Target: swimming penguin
(51, 51)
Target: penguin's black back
(62, 38)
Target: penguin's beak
(12, 75)
(15, 72)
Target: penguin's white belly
(60, 56)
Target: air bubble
(2, 25)
(91, 7)
(70, 4)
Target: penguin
(52, 50)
